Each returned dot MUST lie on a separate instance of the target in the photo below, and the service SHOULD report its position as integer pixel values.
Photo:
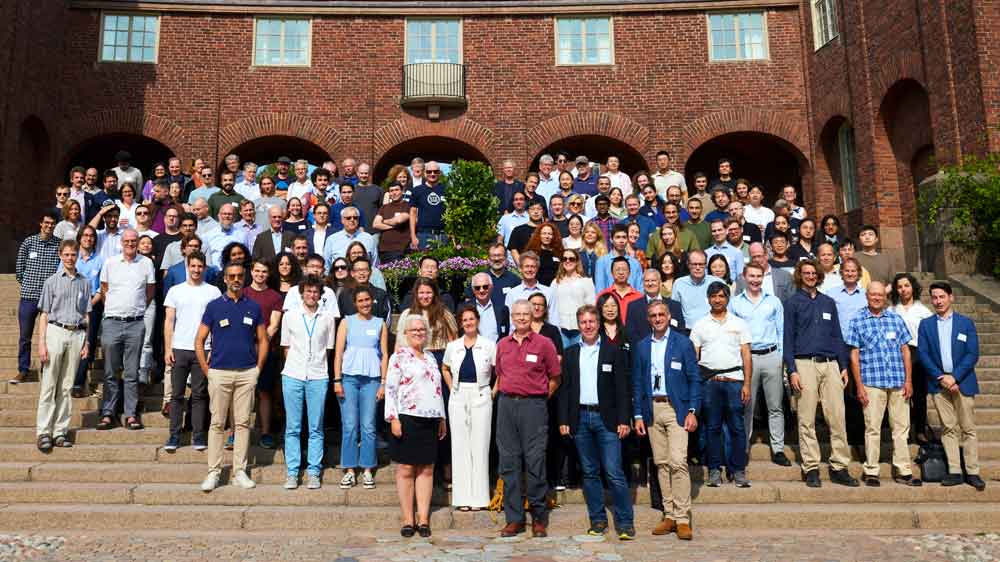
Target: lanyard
(309, 331)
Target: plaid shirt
(606, 226)
(37, 260)
(879, 339)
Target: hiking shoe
(598, 528)
(740, 477)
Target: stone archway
(99, 152)
(267, 149)
(440, 134)
(761, 158)
(89, 126)
(583, 130)
(251, 129)
(441, 149)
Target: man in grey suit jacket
(777, 282)
(263, 246)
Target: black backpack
(933, 461)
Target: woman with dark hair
(355, 251)
(296, 221)
(612, 327)
(234, 252)
(806, 246)
(719, 267)
(831, 231)
(781, 224)
(905, 295)
(670, 270)
(636, 248)
(285, 274)
(340, 275)
(159, 172)
(547, 243)
(652, 205)
(617, 207)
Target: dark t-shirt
(398, 238)
(368, 198)
(505, 193)
(587, 186)
(520, 236)
(430, 204)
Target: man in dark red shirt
(270, 302)
(528, 372)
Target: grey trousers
(122, 345)
(767, 374)
(522, 437)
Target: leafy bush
(969, 194)
(471, 214)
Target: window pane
(107, 53)
(568, 26)
(121, 53)
(149, 54)
(584, 41)
(109, 23)
(135, 54)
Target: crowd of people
(640, 327)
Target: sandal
(407, 531)
(62, 441)
(424, 530)
(105, 424)
(44, 443)
(464, 508)
(133, 424)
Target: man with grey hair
(548, 178)
(493, 314)
(247, 186)
(348, 172)
(302, 184)
(417, 171)
(127, 286)
(232, 163)
(228, 232)
(528, 374)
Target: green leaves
(471, 214)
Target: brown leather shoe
(665, 527)
(512, 529)
(684, 532)
(18, 378)
(538, 529)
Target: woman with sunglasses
(340, 276)
(573, 289)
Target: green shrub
(471, 215)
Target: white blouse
(912, 315)
(571, 294)
(413, 386)
(484, 353)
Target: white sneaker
(291, 483)
(210, 482)
(243, 481)
(368, 481)
(313, 482)
(347, 481)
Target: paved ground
(340, 546)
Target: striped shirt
(879, 340)
(37, 260)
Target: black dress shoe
(780, 459)
(952, 480)
(908, 480)
(976, 482)
(872, 481)
(812, 479)
(843, 478)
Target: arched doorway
(596, 148)
(266, 150)
(99, 152)
(441, 149)
(760, 158)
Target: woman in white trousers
(468, 365)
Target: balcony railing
(433, 83)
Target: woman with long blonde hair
(594, 246)
(573, 289)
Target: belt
(523, 397)
(720, 378)
(816, 358)
(70, 327)
(711, 374)
(590, 408)
(124, 318)
(660, 398)
(764, 351)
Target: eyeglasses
(62, 194)
(141, 213)
(480, 287)
(206, 175)
(340, 268)
(349, 218)
(235, 276)
(575, 203)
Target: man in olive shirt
(697, 224)
(879, 267)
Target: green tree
(471, 213)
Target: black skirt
(419, 442)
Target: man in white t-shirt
(327, 302)
(185, 305)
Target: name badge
(248, 321)
(224, 323)
(32, 255)
(289, 250)
(673, 322)
(302, 227)
(531, 358)
(555, 259)
(370, 332)
(675, 365)
(746, 238)
(962, 337)
(890, 335)
(606, 368)
(826, 316)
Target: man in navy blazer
(637, 323)
(949, 351)
(666, 397)
(488, 304)
(595, 405)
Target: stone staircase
(121, 480)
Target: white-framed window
(279, 41)
(848, 179)
(585, 41)
(433, 40)
(129, 37)
(737, 36)
(824, 15)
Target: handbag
(933, 461)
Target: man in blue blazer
(949, 351)
(636, 321)
(666, 397)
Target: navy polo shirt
(587, 186)
(429, 204)
(233, 325)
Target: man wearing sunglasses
(493, 314)
(427, 205)
(205, 191)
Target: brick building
(854, 101)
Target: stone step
(80, 453)
(150, 390)
(20, 402)
(117, 436)
(566, 520)
(89, 419)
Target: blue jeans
(357, 411)
(599, 448)
(722, 404)
(27, 313)
(313, 395)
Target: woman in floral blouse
(414, 408)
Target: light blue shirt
(521, 292)
(548, 187)
(733, 255)
(276, 241)
(693, 297)
(336, 246)
(589, 359)
(509, 222)
(602, 272)
(658, 352)
(766, 319)
(488, 321)
(848, 305)
(90, 269)
(203, 193)
(217, 240)
(944, 341)
(250, 232)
